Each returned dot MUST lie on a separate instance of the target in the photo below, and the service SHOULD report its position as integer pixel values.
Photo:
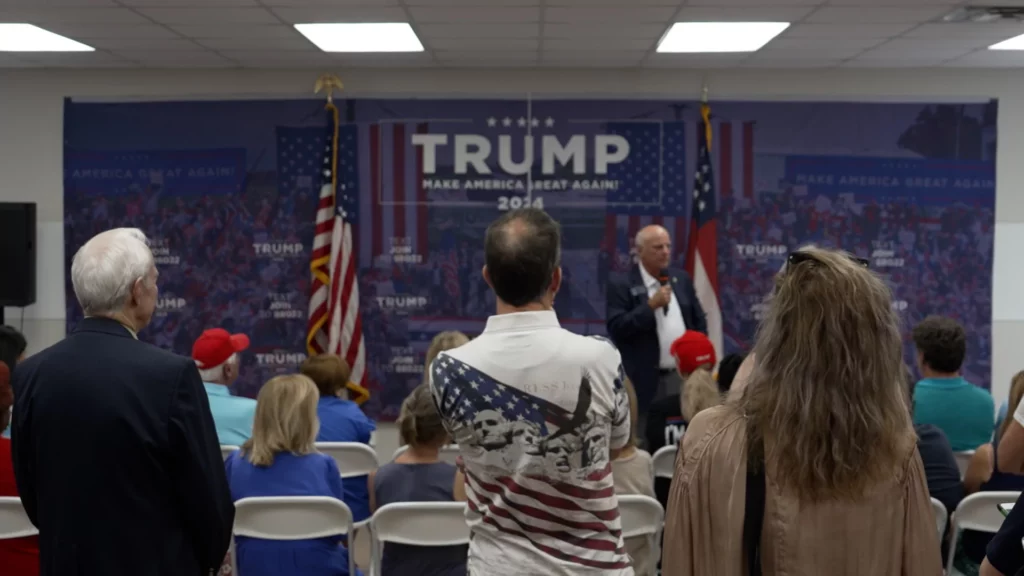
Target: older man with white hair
(115, 452)
(215, 353)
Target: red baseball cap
(692, 350)
(215, 346)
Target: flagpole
(330, 83)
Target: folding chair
(963, 459)
(449, 453)
(292, 518)
(665, 462)
(227, 450)
(418, 524)
(14, 522)
(979, 511)
(353, 458)
(941, 516)
(642, 516)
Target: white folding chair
(227, 450)
(449, 453)
(419, 524)
(941, 515)
(352, 458)
(963, 459)
(665, 462)
(642, 516)
(292, 518)
(980, 512)
(14, 522)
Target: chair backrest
(14, 522)
(227, 450)
(980, 511)
(449, 453)
(665, 462)
(640, 515)
(941, 516)
(421, 523)
(292, 517)
(963, 459)
(353, 458)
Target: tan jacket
(890, 532)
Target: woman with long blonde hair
(280, 459)
(823, 427)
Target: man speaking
(647, 310)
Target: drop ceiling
(509, 33)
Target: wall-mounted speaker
(17, 253)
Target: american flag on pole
(702, 248)
(335, 326)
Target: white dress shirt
(670, 326)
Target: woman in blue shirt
(280, 460)
(341, 420)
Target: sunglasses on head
(798, 257)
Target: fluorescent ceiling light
(29, 38)
(719, 36)
(368, 37)
(1015, 43)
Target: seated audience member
(418, 475)
(633, 471)
(18, 556)
(280, 460)
(983, 475)
(727, 370)
(215, 353)
(1005, 555)
(962, 410)
(823, 426)
(12, 351)
(341, 420)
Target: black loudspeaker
(17, 254)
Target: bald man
(647, 310)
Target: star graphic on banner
(521, 122)
(492, 122)
(506, 122)
(549, 122)
(534, 122)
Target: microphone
(663, 278)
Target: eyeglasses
(798, 257)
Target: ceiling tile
(899, 3)
(591, 58)
(91, 31)
(660, 14)
(988, 58)
(55, 3)
(395, 60)
(759, 13)
(845, 30)
(178, 59)
(216, 3)
(815, 44)
(881, 15)
(484, 44)
(43, 17)
(783, 63)
(922, 62)
(643, 31)
(327, 3)
(11, 61)
(754, 2)
(900, 48)
(478, 30)
(994, 31)
(601, 3)
(611, 43)
(824, 52)
(473, 3)
(518, 55)
(210, 15)
(163, 44)
(79, 59)
(270, 57)
(296, 44)
(235, 31)
(695, 60)
(351, 14)
(488, 15)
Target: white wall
(31, 148)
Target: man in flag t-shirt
(535, 410)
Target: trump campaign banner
(228, 193)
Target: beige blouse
(890, 532)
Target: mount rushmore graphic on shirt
(536, 470)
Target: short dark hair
(329, 372)
(942, 342)
(522, 250)
(12, 345)
(727, 370)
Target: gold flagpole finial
(330, 83)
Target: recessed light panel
(362, 37)
(703, 37)
(29, 38)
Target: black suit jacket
(632, 327)
(117, 460)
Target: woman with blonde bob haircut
(280, 459)
(823, 426)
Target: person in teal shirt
(215, 353)
(943, 398)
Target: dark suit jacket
(632, 327)
(116, 458)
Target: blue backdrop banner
(227, 192)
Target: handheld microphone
(663, 278)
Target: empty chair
(353, 458)
(642, 516)
(665, 461)
(963, 459)
(417, 524)
(448, 454)
(227, 450)
(941, 516)
(14, 522)
(980, 512)
(291, 518)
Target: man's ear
(556, 280)
(486, 275)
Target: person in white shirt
(535, 410)
(647, 310)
